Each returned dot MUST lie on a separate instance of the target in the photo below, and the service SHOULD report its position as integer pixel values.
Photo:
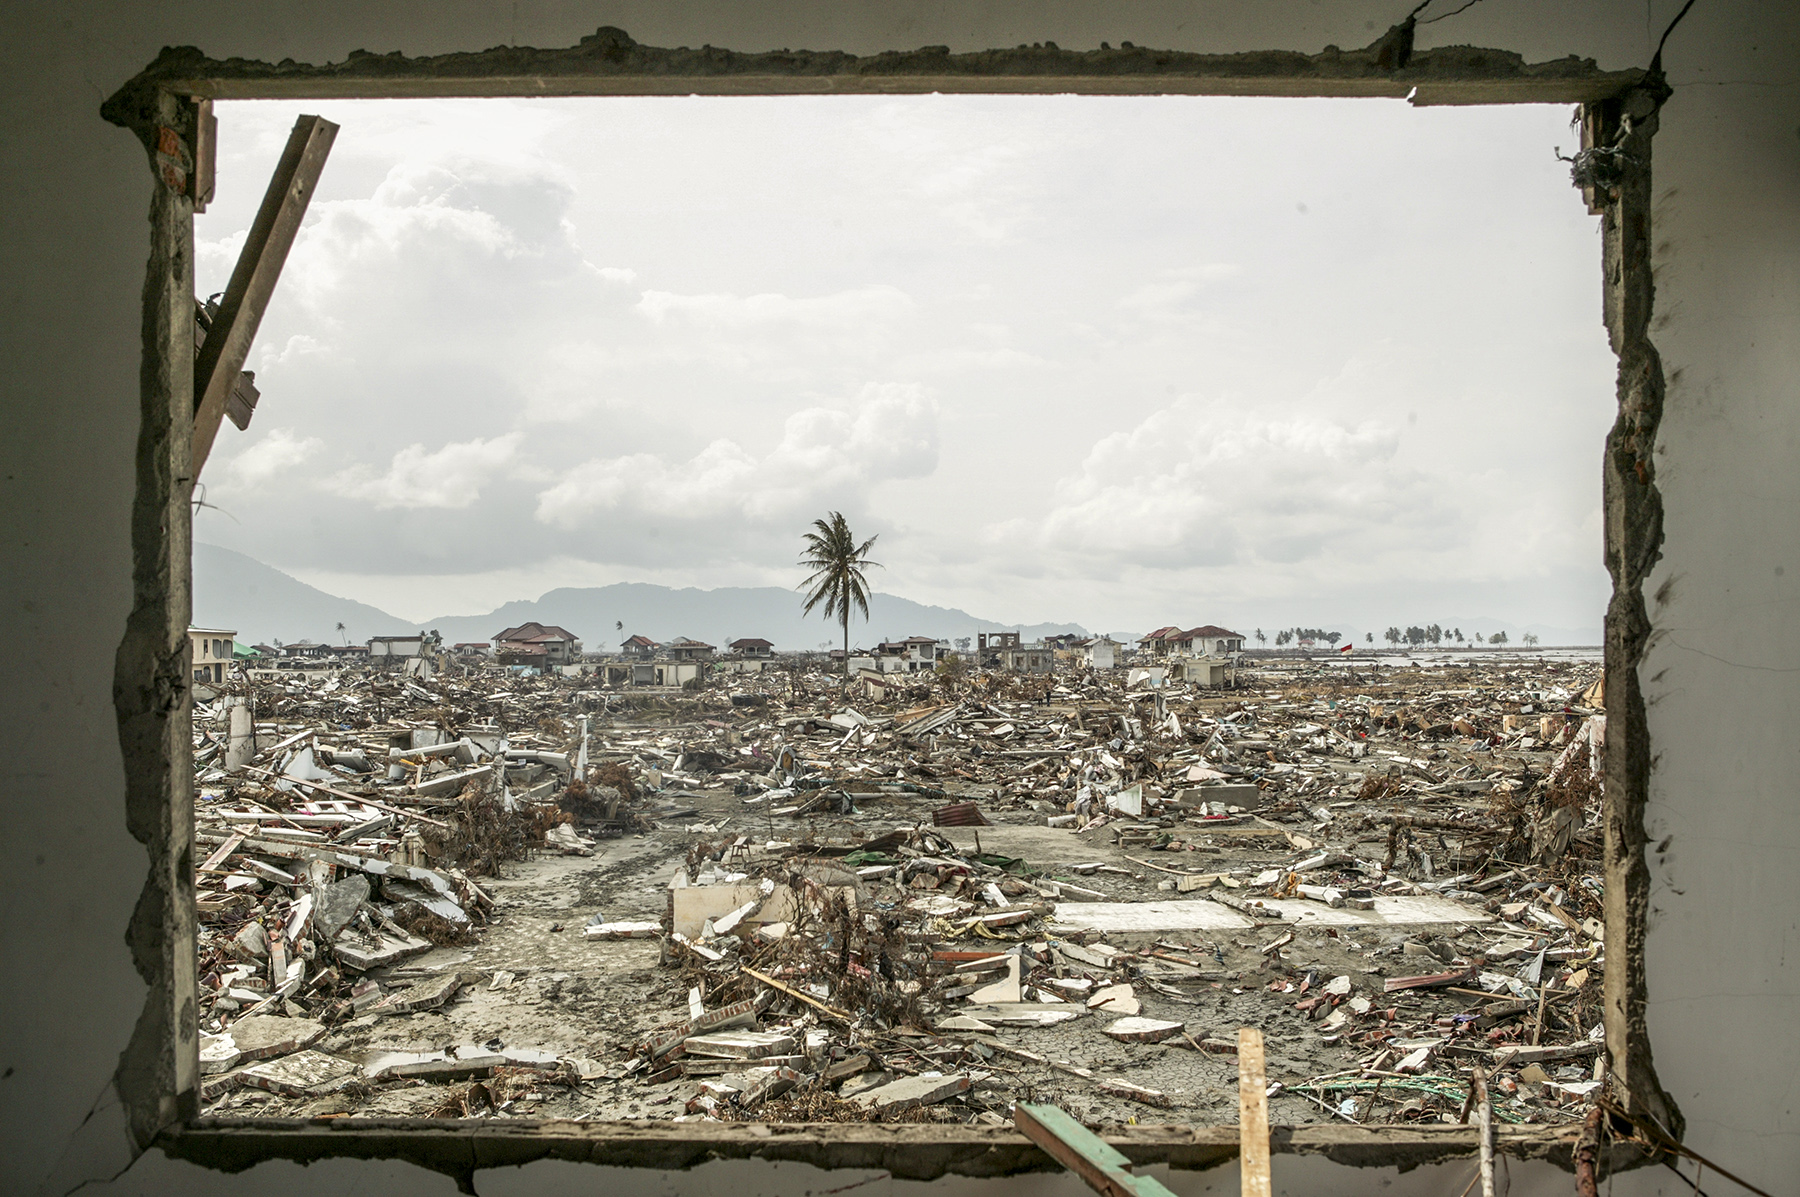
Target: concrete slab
(1387, 912)
(914, 1091)
(263, 1036)
(1199, 914)
(1040, 846)
(1192, 914)
(303, 1074)
(695, 904)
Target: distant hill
(261, 603)
(723, 615)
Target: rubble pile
(777, 897)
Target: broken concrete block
(361, 952)
(845, 1068)
(303, 1074)
(251, 942)
(1137, 1093)
(262, 1036)
(693, 905)
(621, 930)
(772, 1083)
(912, 1091)
(740, 1045)
(1143, 1030)
(1024, 1014)
(1114, 999)
(1247, 796)
(1004, 990)
(218, 1053)
(335, 905)
(862, 1083)
(427, 994)
(269, 872)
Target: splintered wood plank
(225, 850)
(221, 357)
(1103, 1167)
(1253, 1115)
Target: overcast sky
(1118, 361)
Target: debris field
(775, 897)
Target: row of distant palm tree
(1432, 634)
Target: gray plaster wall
(1722, 678)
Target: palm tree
(837, 581)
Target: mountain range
(260, 603)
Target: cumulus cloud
(1206, 483)
(1174, 294)
(679, 307)
(450, 478)
(772, 329)
(843, 310)
(892, 433)
(274, 454)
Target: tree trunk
(846, 642)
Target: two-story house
(915, 654)
(683, 649)
(1156, 644)
(1099, 653)
(544, 645)
(213, 649)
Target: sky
(1124, 362)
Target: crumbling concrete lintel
(909, 1151)
(610, 62)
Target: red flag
(1346, 648)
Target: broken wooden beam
(1253, 1115)
(814, 1002)
(227, 346)
(1103, 1167)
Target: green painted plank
(1105, 1169)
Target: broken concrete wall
(1719, 680)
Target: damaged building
(129, 896)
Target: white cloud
(274, 454)
(1172, 296)
(450, 478)
(1206, 483)
(680, 299)
(822, 453)
(844, 311)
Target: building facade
(212, 652)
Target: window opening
(1341, 844)
(157, 1073)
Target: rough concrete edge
(1634, 537)
(908, 1151)
(157, 1070)
(612, 53)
